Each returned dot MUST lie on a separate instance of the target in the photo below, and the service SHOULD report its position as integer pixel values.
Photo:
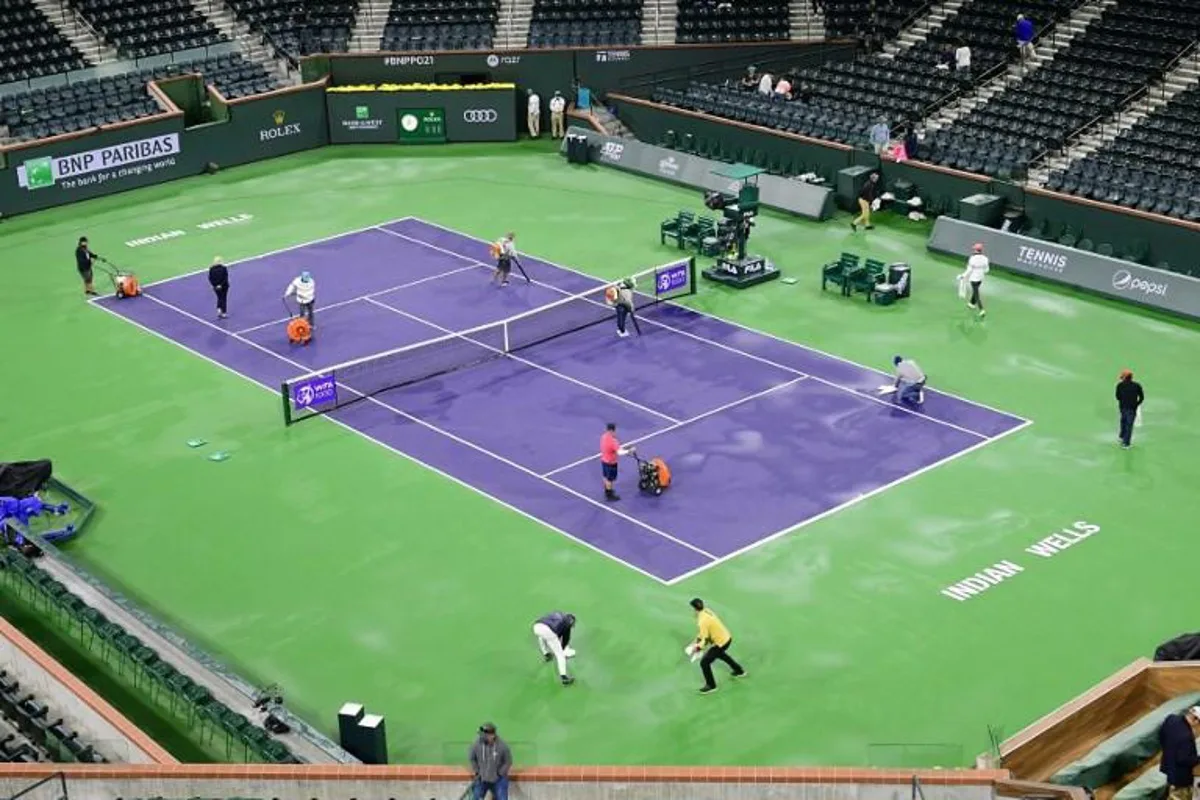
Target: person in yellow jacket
(716, 640)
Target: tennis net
(326, 390)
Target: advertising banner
(100, 163)
(1124, 280)
(784, 194)
(461, 115)
(422, 125)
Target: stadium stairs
(78, 32)
(1184, 76)
(512, 30)
(923, 26)
(658, 22)
(368, 25)
(804, 24)
(1047, 47)
(253, 46)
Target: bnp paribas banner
(1113, 277)
(100, 163)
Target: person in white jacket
(305, 290)
(977, 269)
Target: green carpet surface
(318, 560)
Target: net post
(692, 286)
(287, 404)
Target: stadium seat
(676, 228)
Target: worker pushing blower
(300, 326)
(125, 284)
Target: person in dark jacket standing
(866, 202)
(218, 278)
(490, 762)
(553, 633)
(83, 263)
(1129, 400)
(1177, 738)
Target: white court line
(697, 337)
(407, 456)
(527, 362)
(831, 511)
(680, 424)
(723, 319)
(287, 249)
(353, 300)
(447, 434)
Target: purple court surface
(762, 435)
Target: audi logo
(480, 115)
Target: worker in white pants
(553, 633)
(534, 115)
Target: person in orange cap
(1129, 399)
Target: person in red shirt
(610, 449)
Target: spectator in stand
(784, 88)
(912, 140)
(1024, 31)
(750, 79)
(866, 197)
(1129, 399)
(1177, 738)
(766, 84)
(962, 60)
(880, 136)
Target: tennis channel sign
(312, 394)
(1112, 277)
(104, 164)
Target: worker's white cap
(1195, 711)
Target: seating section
(300, 27)
(586, 23)
(138, 29)
(1154, 166)
(987, 27)
(440, 25)
(884, 18)
(31, 46)
(121, 98)
(158, 682)
(716, 21)
(1086, 82)
(31, 732)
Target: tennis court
(763, 436)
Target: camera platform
(741, 273)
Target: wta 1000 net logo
(320, 390)
(671, 278)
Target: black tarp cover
(23, 478)
(1181, 648)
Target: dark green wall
(261, 128)
(380, 122)
(547, 71)
(1175, 244)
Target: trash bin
(900, 276)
